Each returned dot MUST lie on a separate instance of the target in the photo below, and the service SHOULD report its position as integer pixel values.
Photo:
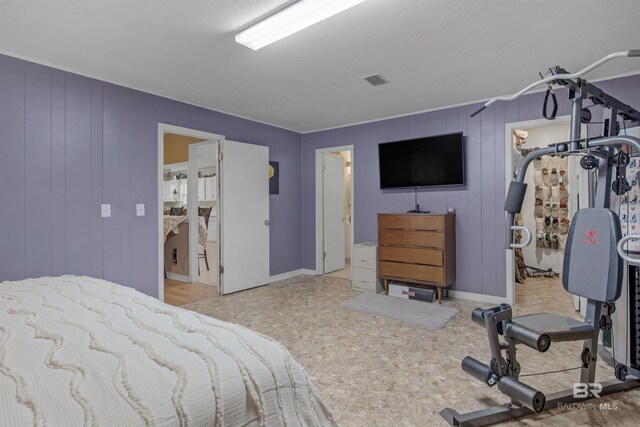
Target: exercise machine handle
(621, 250)
(553, 78)
(528, 239)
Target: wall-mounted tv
(422, 162)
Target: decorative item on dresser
(363, 272)
(417, 248)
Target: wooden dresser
(417, 248)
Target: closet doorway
(334, 211)
(534, 273)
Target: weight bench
(592, 269)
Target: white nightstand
(364, 276)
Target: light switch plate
(140, 209)
(105, 211)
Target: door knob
(266, 222)
(344, 218)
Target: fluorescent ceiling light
(290, 20)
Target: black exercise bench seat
(558, 328)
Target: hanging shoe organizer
(551, 207)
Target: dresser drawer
(412, 255)
(424, 273)
(363, 256)
(427, 239)
(365, 279)
(412, 222)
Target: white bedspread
(80, 351)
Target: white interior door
(334, 215)
(244, 199)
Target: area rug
(428, 315)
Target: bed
(81, 351)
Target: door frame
(508, 173)
(320, 202)
(164, 128)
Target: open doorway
(553, 197)
(189, 208)
(334, 210)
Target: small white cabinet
(207, 189)
(210, 190)
(364, 275)
(172, 190)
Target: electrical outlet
(105, 211)
(140, 209)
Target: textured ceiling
(435, 53)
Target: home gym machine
(594, 267)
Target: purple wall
(69, 143)
(479, 205)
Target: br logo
(586, 390)
(591, 235)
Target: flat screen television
(422, 162)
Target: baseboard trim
(308, 271)
(290, 274)
(470, 296)
(178, 277)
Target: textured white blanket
(80, 351)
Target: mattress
(81, 351)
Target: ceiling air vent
(376, 80)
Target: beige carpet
(376, 371)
